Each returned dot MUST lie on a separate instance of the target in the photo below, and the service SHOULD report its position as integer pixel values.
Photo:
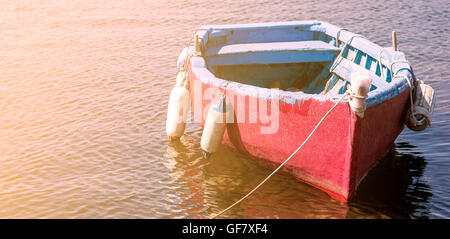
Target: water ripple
(83, 94)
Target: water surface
(84, 87)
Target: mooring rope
(380, 65)
(338, 33)
(184, 67)
(289, 158)
(410, 70)
(411, 84)
(411, 98)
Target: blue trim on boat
(382, 90)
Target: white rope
(188, 56)
(413, 117)
(381, 65)
(351, 96)
(281, 165)
(187, 59)
(338, 33)
(399, 61)
(411, 87)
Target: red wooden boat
(310, 62)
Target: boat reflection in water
(395, 186)
(206, 186)
(186, 166)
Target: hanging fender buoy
(419, 114)
(358, 91)
(421, 97)
(214, 128)
(177, 111)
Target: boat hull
(335, 159)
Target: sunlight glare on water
(84, 87)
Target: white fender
(419, 116)
(360, 87)
(215, 126)
(177, 112)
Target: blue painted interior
(258, 57)
(301, 76)
(252, 55)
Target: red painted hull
(335, 159)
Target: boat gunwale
(375, 97)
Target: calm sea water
(84, 87)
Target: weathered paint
(306, 77)
(345, 147)
(336, 158)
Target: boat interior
(289, 58)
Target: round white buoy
(215, 126)
(360, 87)
(177, 111)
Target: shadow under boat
(395, 186)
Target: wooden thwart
(271, 53)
